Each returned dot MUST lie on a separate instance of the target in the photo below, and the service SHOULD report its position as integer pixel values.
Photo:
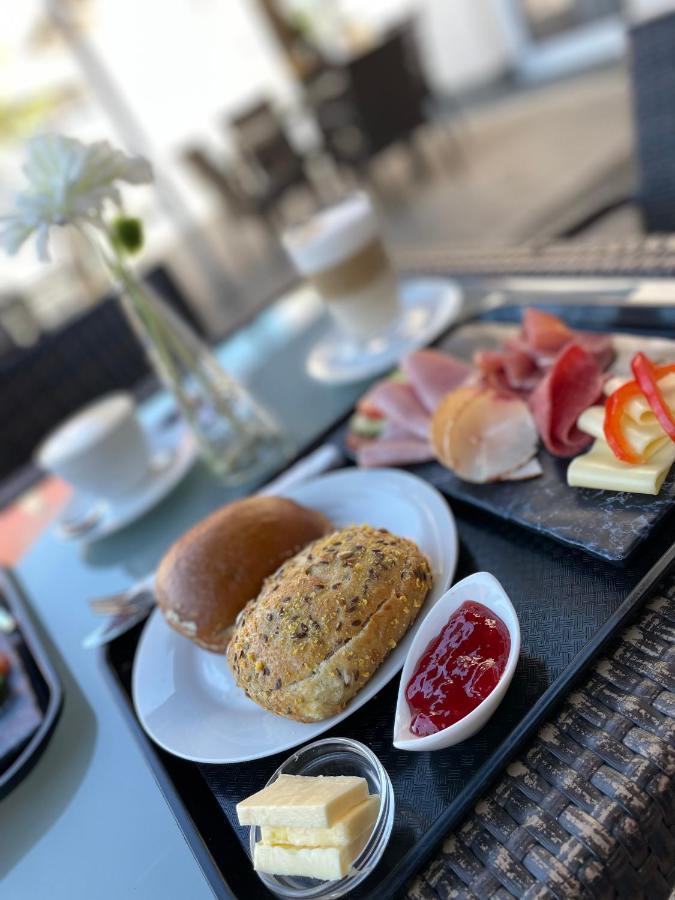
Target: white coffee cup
(101, 450)
(340, 252)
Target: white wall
(184, 68)
(463, 42)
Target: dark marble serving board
(607, 524)
(32, 704)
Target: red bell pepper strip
(614, 411)
(647, 375)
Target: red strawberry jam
(458, 669)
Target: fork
(133, 598)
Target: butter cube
(359, 819)
(304, 801)
(325, 863)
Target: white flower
(69, 183)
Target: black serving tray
(570, 605)
(33, 705)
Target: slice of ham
(482, 435)
(393, 432)
(545, 333)
(489, 361)
(600, 346)
(354, 442)
(510, 370)
(573, 383)
(394, 452)
(433, 375)
(521, 371)
(400, 404)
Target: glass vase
(237, 437)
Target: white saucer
(170, 462)
(428, 307)
(186, 698)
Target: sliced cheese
(359, 819)
(599, 468)
(644, 439)
(638, 409)
(306, 801)
(326, 863)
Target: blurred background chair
(274, 165)
(238, 201)
(375, 99)
(94, 353)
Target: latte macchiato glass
(340, 252)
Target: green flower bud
(126, 234)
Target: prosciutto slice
(510, 370)
(520, 364)
(433, 375)
(545, 333)
(401, 405)
(572, 384)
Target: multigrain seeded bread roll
(215, 568)
(325, 621)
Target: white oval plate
(186, 698)
(481, 587)
(428, 307)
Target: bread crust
(215, 568)
(326, 620)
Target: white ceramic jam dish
(482, 588)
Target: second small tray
(34, 698)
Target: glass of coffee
(340, 252)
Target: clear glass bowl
(336, 756)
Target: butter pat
(326, 863)
(599, 468)
(303, 801)
(346, 830)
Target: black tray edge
(513, 742)
(30, 754)
(212, 874)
